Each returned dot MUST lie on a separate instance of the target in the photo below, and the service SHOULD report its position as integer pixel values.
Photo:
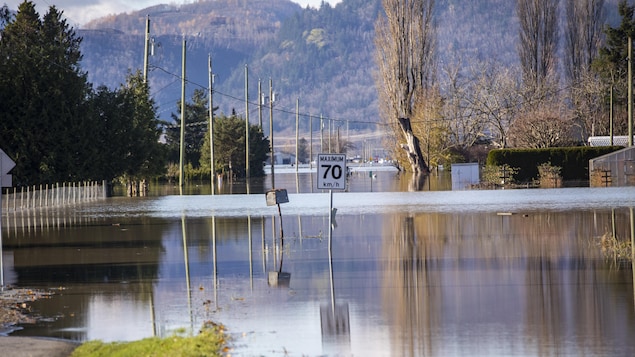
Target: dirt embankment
(15, 309)
(15, 305)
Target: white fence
(56, 195)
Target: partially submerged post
(276, 197)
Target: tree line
(58, 127)
(545, 100)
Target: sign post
(6, 165)
(331, 173)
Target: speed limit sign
(331, 172)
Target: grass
(616, 249)
(209, 342)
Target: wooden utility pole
(310, 141)
(260, 103)
(297, 132)
(146, 51)
(630, 91)
(321, 133)
(211, 123)
(182, 146)
(271, 131)
(247, 124)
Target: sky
(78, 12)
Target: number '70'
(335, 170)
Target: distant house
(282, 158)
(606, 140)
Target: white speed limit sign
(331, 172)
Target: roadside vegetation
(210, 341)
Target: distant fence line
(56, 195)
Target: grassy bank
(209, 342)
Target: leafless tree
(588, 95)
(405, 53)
(537, 48)
(583, 32)
(583, 35)
(464, 122)
(497, 97)
(549, 125)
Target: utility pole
(310, 141)
(260, 103)
(330, 133)
(630, 91)
(146, 51)
(247, 125)
(211, 123)
(297, 131)
(182, 146)
(321, 133)
(611, 115)
(273, 156)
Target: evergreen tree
(229, 147)
(42, 98)
(196, 125)
(144, 156)
(612, 61)
(110, 132)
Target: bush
(574, 161)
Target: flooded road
(438, 273)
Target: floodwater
(435, 273)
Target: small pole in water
(280, 215)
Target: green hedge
(574, 161)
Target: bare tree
(497, 98)
(464, 123)
(538, 40)
(405, 46)
(583, 33)
(549, 125)
(588, 96)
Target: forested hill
(323, 57)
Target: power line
(277, 109)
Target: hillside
(322, 56)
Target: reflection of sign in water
(335, 321)
(279, 279)
(331, 172)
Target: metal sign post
(6, 165)
(331, 173)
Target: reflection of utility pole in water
(215, 263)
(251, 267)
(187, 272)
